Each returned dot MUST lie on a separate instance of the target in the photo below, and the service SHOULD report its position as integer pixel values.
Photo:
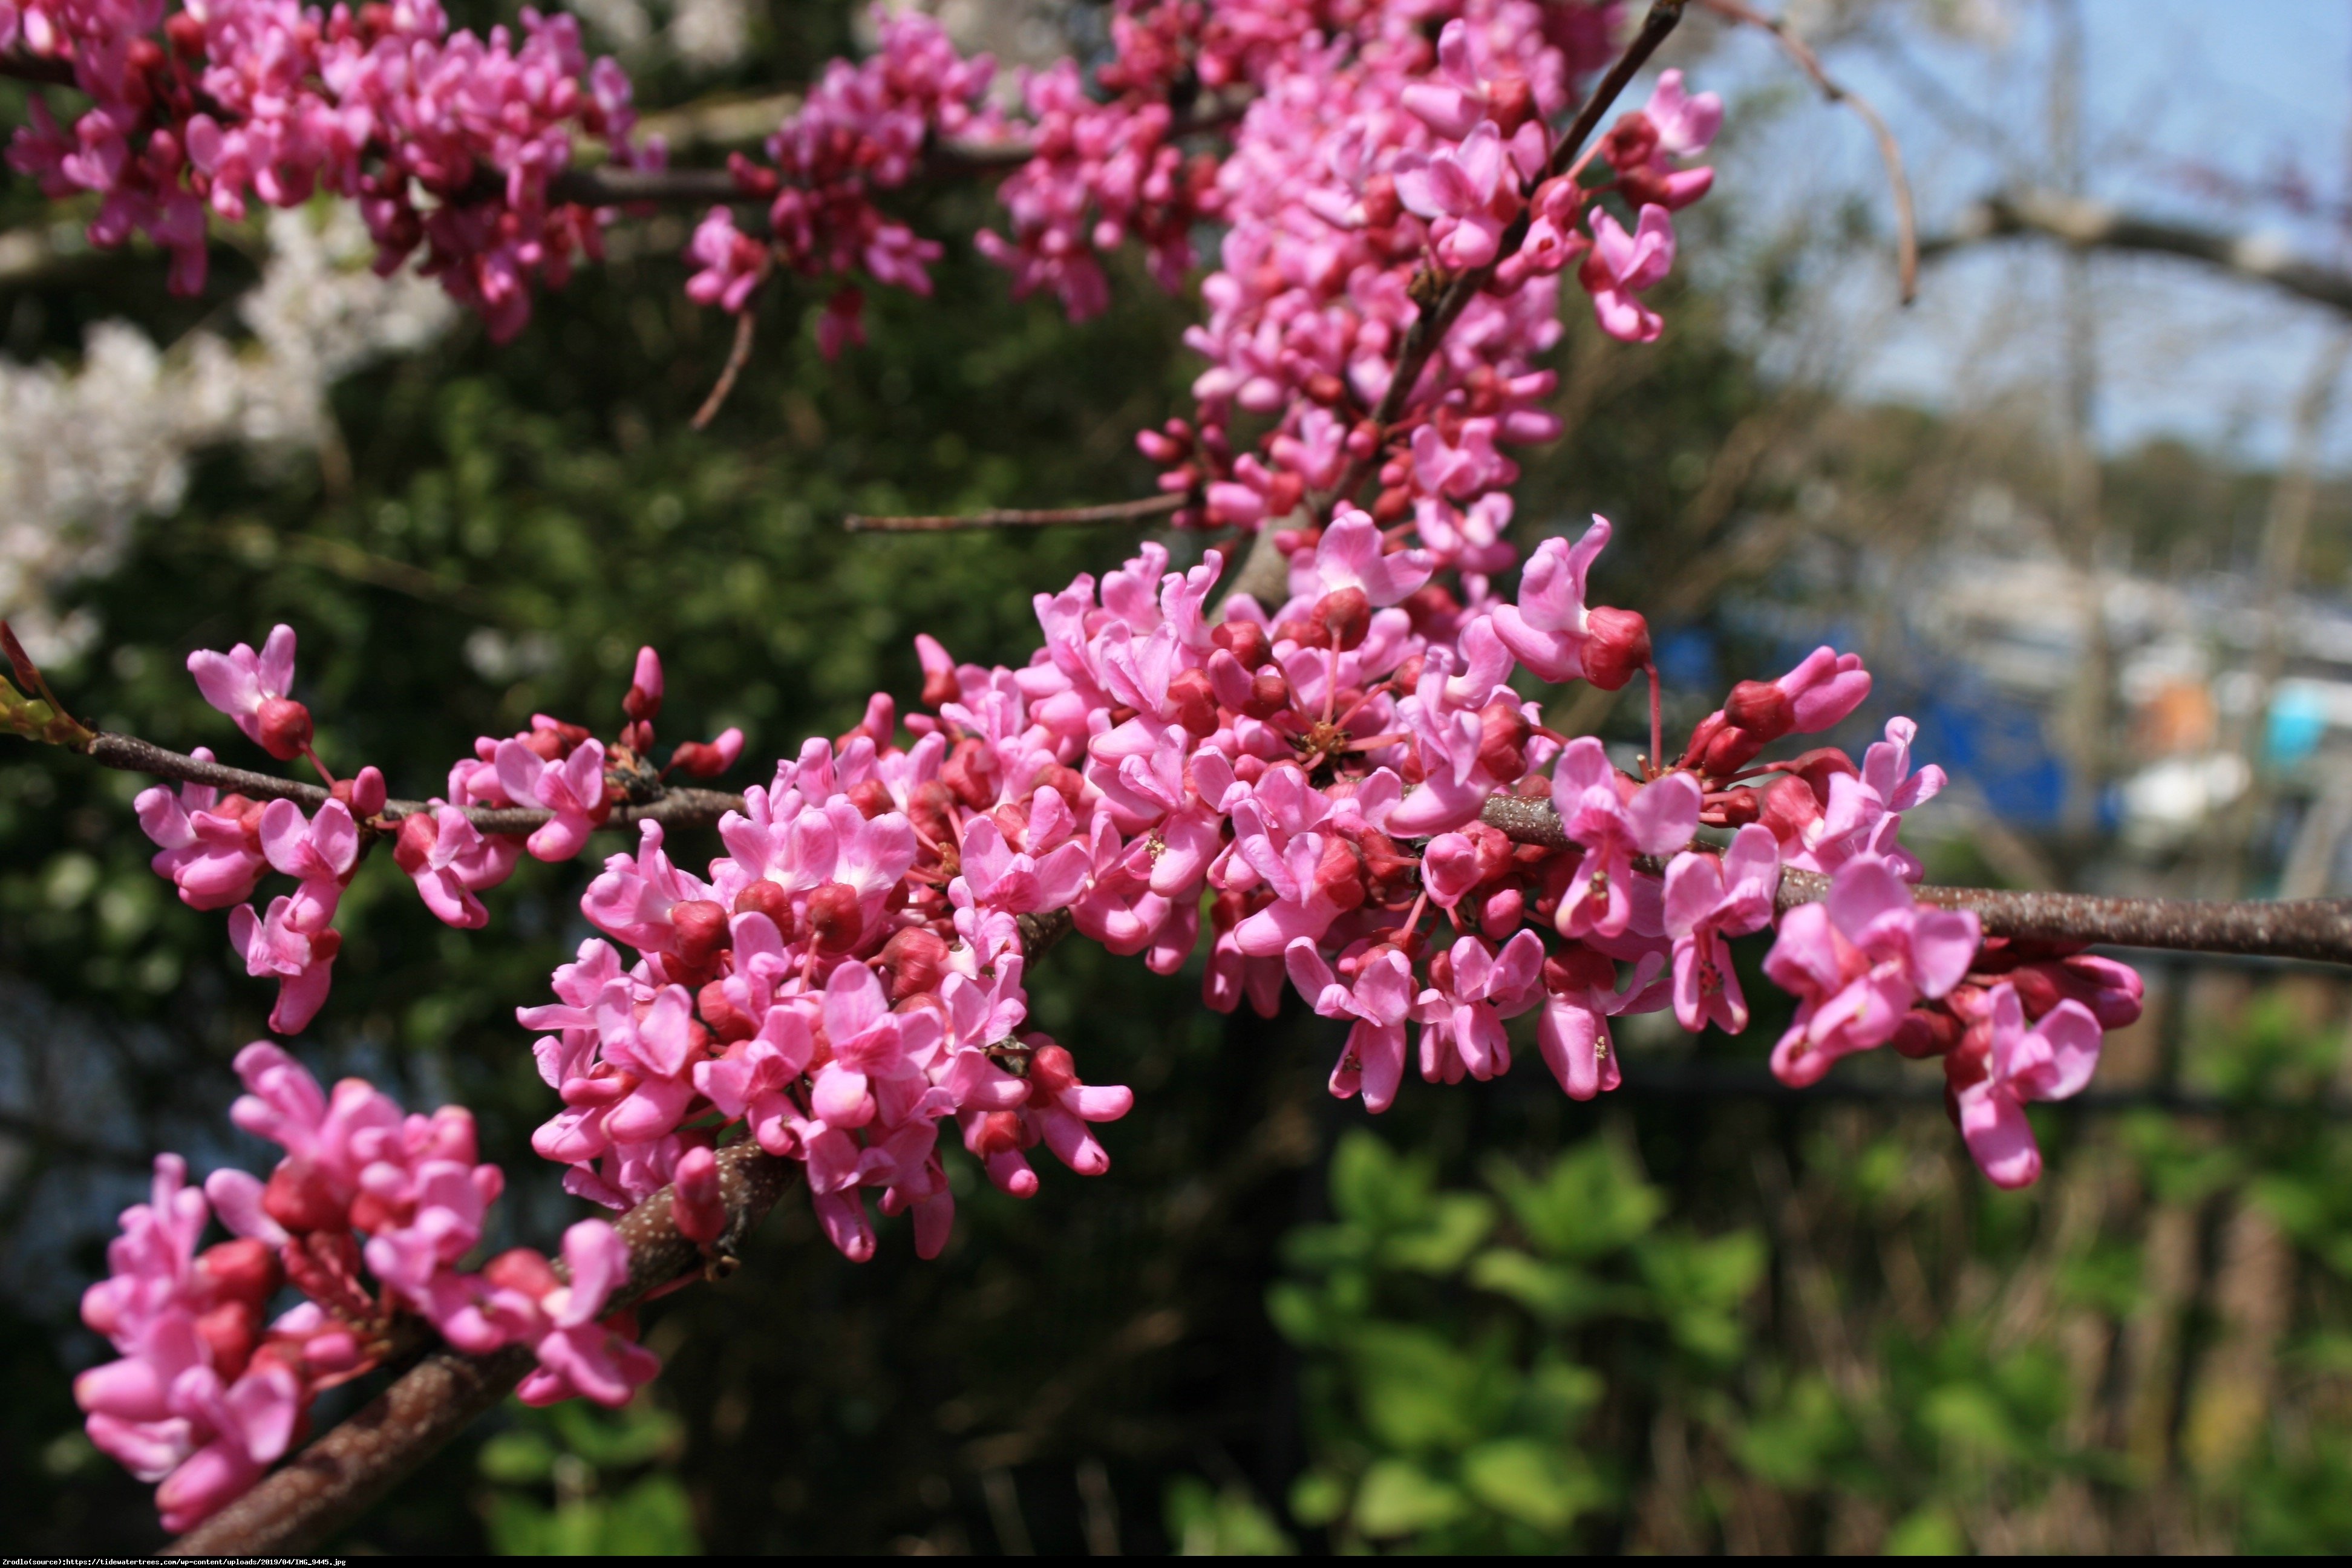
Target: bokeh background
(2085, 511)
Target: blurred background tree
(1698, 1315)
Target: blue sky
(2253, 90)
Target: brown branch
(746, 328)
(2317, 929)
(38, 69)
(672, 807)
(331, 1483)
(1890, 152)
(1022, 517)
(2095, 226)
(1433, 321)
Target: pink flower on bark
(1613, 825)
(579, 1354)
(573, 788)
(251, 687)
(1856, 962)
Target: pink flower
(1687, 124)
(730, 263)
(251, 688)
(1582, 997)
(1546, 630)
(1461, 189)
(1379, 1000)
(213, 858)
(1620, 266)
(573, 789)
(1658, 818)
(1352, 555)
(1825, 687)
(1019, 883)
(1463, 1031)
(1706, 900)
(449, 860)
(1991, 1084)
(1856, 962)
(294, 943)
(578, 1355)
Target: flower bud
(720, 1017)
(695, 1205)
(834, 920)
(872, 798)
(1051, 1071)
(1502, 739)
(1392, 506)
(709, 759)
(766, 898)
(1269, 694)
(244, 1269)
(1790, 807)
(1195, 704)
(644, 697)
(229, 1331)
(1245, 640)
(917, 959)
(1342, 618)
(1512, 103)
(1616, 645)
(999, 1133)
(1381, 206)
(299, 1198)
(1761, 707)
(285, 727)
(700, 927)
(967, 772)
(1632, 141)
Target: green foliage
(1224, 1521)
(605, 1500)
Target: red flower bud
(765, 898)
(1245, 640)
(284, 728)
(1343, 616)
(1392, 506)
(1195, 703)
(722, 1017)
(1512, 103)
(999, 1133)
(230, 1331)
(240, 1271)
(917, 959)
(1269, 694)
(1502, 739)
(1630, 141)
(415, 841)
(521, 1270)
(834, 917)
(1325, 388)
(1051, 1071)
(872, 798)
(1762, 708)
(700, 927)
(1617, 644)
(298, 1197)
(1381, 206)
(969, 773)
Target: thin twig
(2317, 929)
(1022, 517)
(672, 807)
(1890, 152)
(1431, 324)
(746, 328)
(36, 69)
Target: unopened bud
(523, 1272)
(695, 1205)
(700, 927)
(1342, 618)
(709, 759)
(1245, 640)
(1616, 646)
(230, 1331)
(766, 898)
(244, 1269)
(1392, 506)
(1512, 103)
(720, 1017)
(645, 698)
(1195, 702)
(999, 1133)
(1761, 707)
(1381, 206)
(1269, 694)
(834, 920)
(1630, 141)
(285, 726)
(1502, 739)
(966, 771)
(1325, 388)
(1051, 1071)
(917, 959)
(1737, 807)
(298, 1197)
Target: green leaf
(1791, 1444)
(1556, 1293)
(652, 1518)
(1318, 1498)
(1417, 1392)
(1398, 1498)
(1374, 1187)
(1589, 1203)
(1299, 1313)
(1227, 1523)
(1924, 1532)
(1458, 1222)
(516, 1458)
(1532, 1482)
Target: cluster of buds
(446, 139)
(208, 1391)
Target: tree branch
(1890, 152)
(36, 69)
(671, 807)
(337, 1478)
(1022, 517)
(2317, 929)
(2095, 225)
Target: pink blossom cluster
(197, 109)
(207, 1393)
(216, 849)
